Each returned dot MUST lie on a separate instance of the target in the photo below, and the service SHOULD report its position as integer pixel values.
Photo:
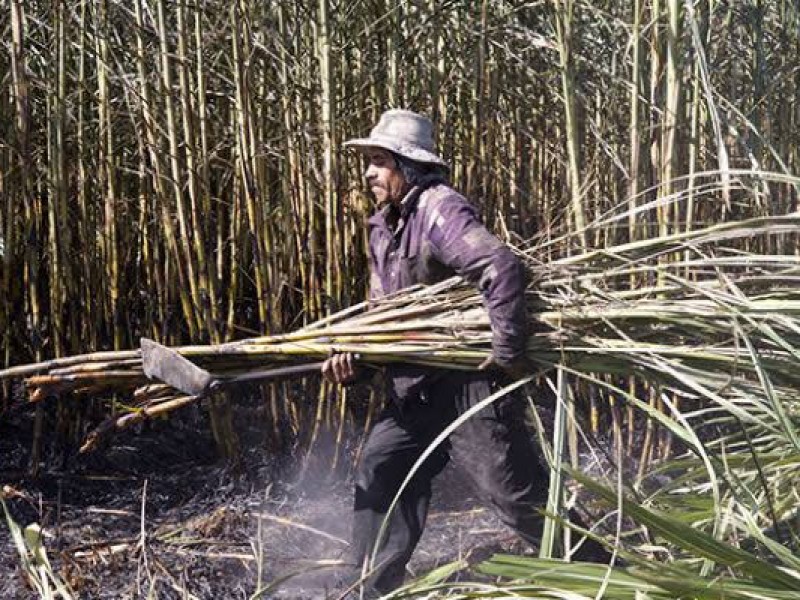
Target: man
(422, 232)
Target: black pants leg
(393, 446)
(493, 449)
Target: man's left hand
(516, 369)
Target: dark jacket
(435, 234)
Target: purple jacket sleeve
(461, 242)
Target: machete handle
(314, 367)
(275, 373)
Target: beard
(380, 194)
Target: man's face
(385, 179)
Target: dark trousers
(494, 450)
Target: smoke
(304, 529)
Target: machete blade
(160, 362)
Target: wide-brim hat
(404, 132)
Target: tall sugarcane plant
(716, 313)
(173, 169)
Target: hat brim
(412, 152)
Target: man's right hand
(340, 368)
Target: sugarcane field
(400, 299)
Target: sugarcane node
(96, 435)
(41, 392)
(129, 419)
(89, 444)
(37, 395)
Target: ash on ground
(156, 514)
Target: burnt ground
(156, 511)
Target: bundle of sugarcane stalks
(703, 313)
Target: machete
(160, 362)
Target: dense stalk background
(175, 169)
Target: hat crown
(406, 127)
(403, 132)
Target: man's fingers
(327, 370)
(349, 367)
(344, 367)
(339, 368)
(334, 360)
(330, 369)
